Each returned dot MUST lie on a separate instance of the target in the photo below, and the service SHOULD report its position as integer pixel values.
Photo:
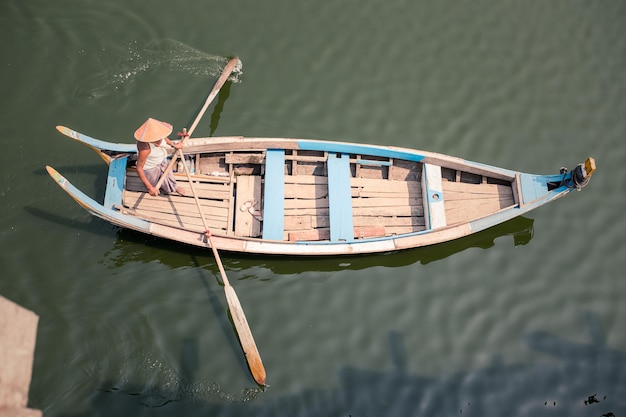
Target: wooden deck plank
(454, 190)
(180, 218)
(387, 221)
(170, 202)
(318, 203)
(324, 233)
(231, 205)
(305, 179)
(458, 212)
(248, 197)
(390, 186)
(244, 158)
(306, 221)
(203, 188)
(193, 223)
(389, 211)
(306, 191)
(198, 179)
(303, 222)
(403, 230)
(465, 202)
(322, 211)
(388, 202)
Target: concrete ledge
(18, 333)
(19, 412)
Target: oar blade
(245, 336)
(231, 66)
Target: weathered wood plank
(318, 203)
(305, 158)
(389, 211)
(459, 211)
(309, 235)
(245, 158)
(299, 211)
(356, 192)
(482, 205)
(389, 185)
(369, 231)
(203, 188)
(198, 179)
(386, 221)
(306, 191)
(168, 203)
(388, 202)
(231, 205)
(221, 214)
(404, 230)
(248, 197)
(301, 222)
(324, 233)
(455, 190)
(298, 223)
(305, 179)
(187, 222)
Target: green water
(526, 319)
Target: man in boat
(152, 156)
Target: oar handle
(173, 160)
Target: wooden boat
(310, 197)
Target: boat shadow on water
(176, 255)
(583, 379)
(520, 229)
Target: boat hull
(285, 196)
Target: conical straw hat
(152, 130)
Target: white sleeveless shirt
(157, 154)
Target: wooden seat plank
(433, 196)
(274, 195)
(340, 197)
(248, 199)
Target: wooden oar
(236, 311)
(228, 69)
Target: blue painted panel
(274, 197)
(533, 187)
(340, 198)
(115, 182)
(358, 149)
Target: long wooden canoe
(312, 197)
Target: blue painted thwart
(274, 208)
